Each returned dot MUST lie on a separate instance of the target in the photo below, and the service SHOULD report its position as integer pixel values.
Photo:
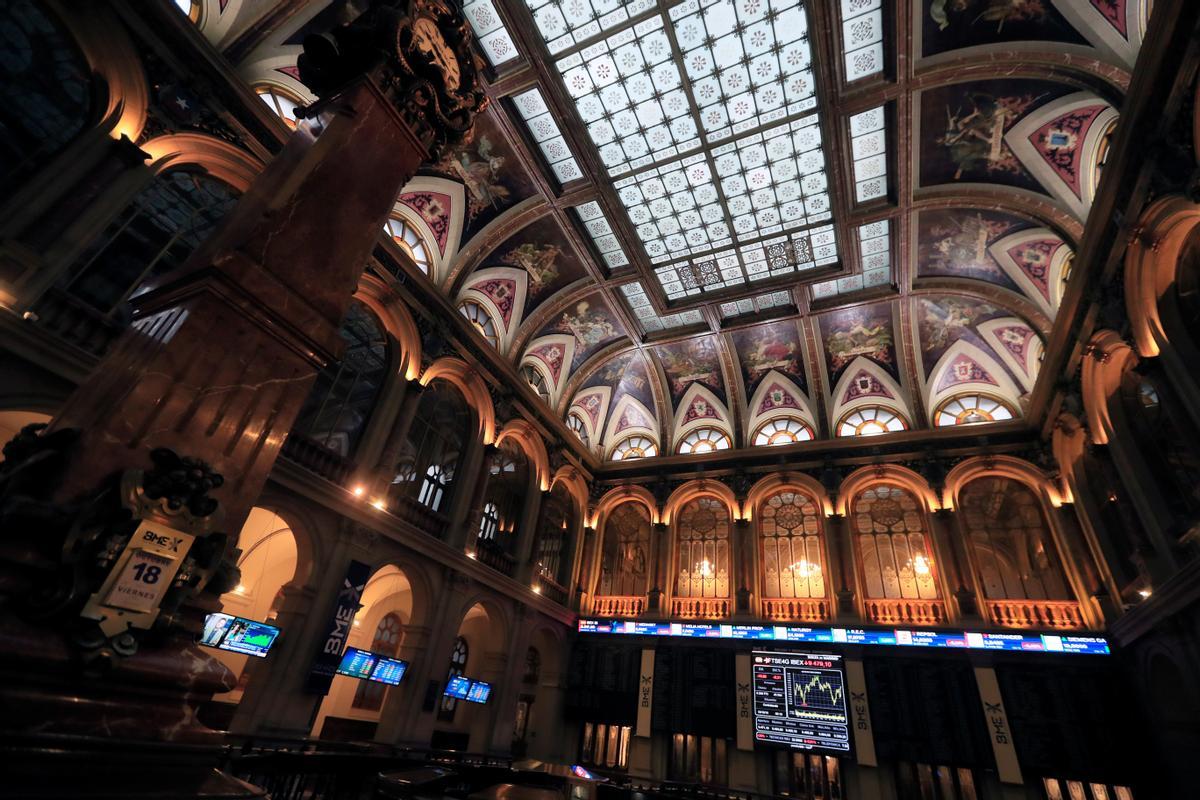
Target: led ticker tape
(1037, 643)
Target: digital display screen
(1012, 642)
(357, 663)
(389, 671)
(238, 635)
(458, 687)
(479, 692)
(800, 701)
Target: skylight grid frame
(582, 19)
(868, 152)
(862, 38)
(606, 241)
(875, 260)
(650, 320)
(491, 34)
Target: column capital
(417, 52)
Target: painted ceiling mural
(684, 237)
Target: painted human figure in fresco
(772, 350)
(987, 11)
(480, 171)
(974, 134)
(540, 261)
(860, 335)
(590, 326)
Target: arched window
(702, 540)
(481, 321)
(533, 376)
(968, 409)
(625, 557)
(458, 666)
(889, 531)
(871, 421)
(369, 694)
(341, 400)
(282, 102)
(433, 489)
(704, 440)
(429, 459)
(509, 486)
(166, 221)
(634, 447)
(489, 522)
(557, 523)
(45, 89)
(577, 426)
(782, 430)
(1011, 542)
(793, 558)
(409, 240)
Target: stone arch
(623, 494)
(524, 434)
(705, 410)
(397, 320)
(1002, 466)
(219, 158)
(701, 488)
(466, 379)
(761, 407)
(863, 477)
(1109, 358)
(883, 390)
(573, 482)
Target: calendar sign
(140, 585)
(141, 578)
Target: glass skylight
(564, 25)
(868, 148)
(490, 32)
(862, 37)
(630, 95)
(748, 64)
(750, 305)
(709, 125)
(593, 219)
(532, 107)
(874, 247)
(639, 303)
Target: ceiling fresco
(738, 211)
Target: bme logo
(169, 542)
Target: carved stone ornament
(419, 51)
(60, 560)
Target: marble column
(380, 477)
(527, 533)
(841, 553)
(743, 532)
(660, 545)
(464, 534)
(956, 562)
(582, 588)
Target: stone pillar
(415, 649)
(841, 553)
(582, 582)
(508, 685)
(743, 546)
(660, 544)
(466, 532)
(956, 562)
(527, 533)
(1087, 578)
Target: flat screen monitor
(457, 687)
(389, 671)
(800, 701)
(238, 635)
(357, 663)
(479, 692)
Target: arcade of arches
(872, 323)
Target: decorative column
(743, 532)
(841, 554)
(661, 547)
(467, 531)
(581, 577)
(527, 532)
(220, 358)
(1079, 556)
(381, 476)
(957, 566)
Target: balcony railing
(908, 612)
(75, 322)
(329, 465)
(701, 607)
(550, 588)
(794, 609)
(619, 606)
(1036, 613)
(495, 557)
(418, 515)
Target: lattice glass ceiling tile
(862, 38)
(749, 63)
(687, 278)
(639, 304)
(675, 208)
(774, 180)
(532, 108)
(593, 219)
(874, 247)
(868, 149)
(783, 255)
(630, 96)
(490, 32)
(750, 305)
(566, 24)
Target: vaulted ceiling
(730, 214)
